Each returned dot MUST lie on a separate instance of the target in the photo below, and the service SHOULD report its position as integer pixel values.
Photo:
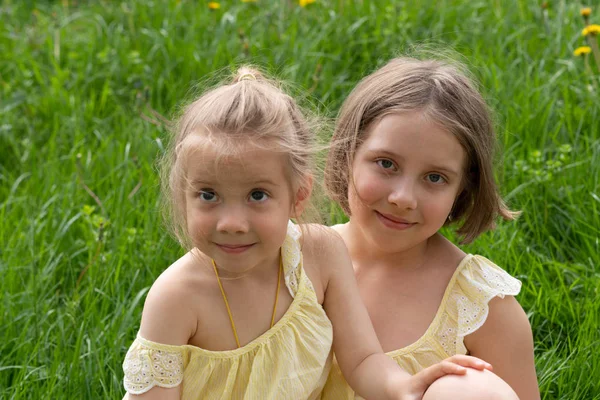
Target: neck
(365, 252)
(264, 268)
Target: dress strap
(235, 334)
(277, 291)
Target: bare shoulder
(507, 320)
(445, 254)
(340, 228)
(324, 254)
(169, 316)
(324, 242)
(507, 328)
(440, 244)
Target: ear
(301, 196)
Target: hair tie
(247, 76)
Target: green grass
(78, 86)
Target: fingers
(455, 365)
(429, 375)
(470, 362)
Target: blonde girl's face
(238, 207)
(406, 176)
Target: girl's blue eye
(208, 196)
(385, 164)
(258, 196)
(436, 178)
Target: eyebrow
(441, 168)
(262, 182)
(259, 182)
(437, 167)
(377, 151)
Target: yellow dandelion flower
(586, 12)
(213, 5)
(582, 50)
(591, 30)
(304, 3)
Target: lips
(234, 248)
(393, 222)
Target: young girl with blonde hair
(252, 309)
(412, 152)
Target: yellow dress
(289, 361)
(463, 310)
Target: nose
(233, 220)
(403, 194)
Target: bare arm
(156, 393)
(166, 319)
(370, 372)
(360, 356)
(505, 340)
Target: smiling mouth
(393, 222)
(234, 248)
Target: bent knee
(474, 385)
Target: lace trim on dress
(467, 305)
(292, 258)
(146, 367)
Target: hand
(415, 387)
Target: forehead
(243, 163)
(416, 138)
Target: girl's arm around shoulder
(360, 356)
(167, 319)
(505, 340)
(370, 372)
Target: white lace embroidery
(292, 257)
(145, 368)
(467, 306)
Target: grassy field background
(84, 86)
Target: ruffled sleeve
(148, 364)
(476, 282)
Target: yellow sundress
(289, 361)
(463, 310)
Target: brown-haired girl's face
(405, 178)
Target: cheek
(368, 187)
(272, 230)
(190, 219)
(198, 223)
(438, 207)
(273, 219)
(194, 229)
